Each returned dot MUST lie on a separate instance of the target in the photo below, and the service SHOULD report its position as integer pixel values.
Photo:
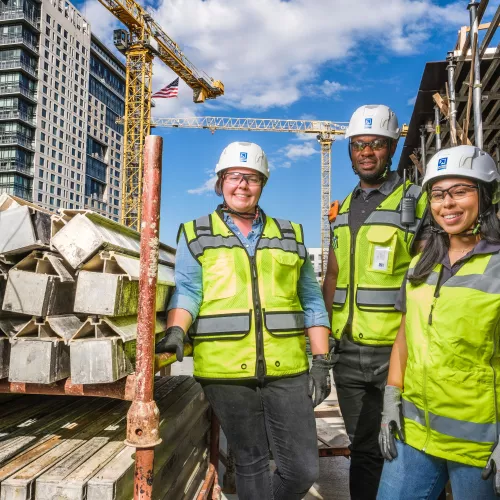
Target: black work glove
(172, 342)
(333, 347)
(392, 419)
(492, 468)
(319, 380)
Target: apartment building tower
(61, 91)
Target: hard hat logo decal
(243, 157)
(442, 162)
(368, 122)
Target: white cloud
(412, 101)
(269, 53)
(206, 188)
(302, 150)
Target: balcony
(14, 165)
(16, 190)
(17, 64)
(18, 40)
(17, 114)
(19, 15)
(16, 88)
(17, 139)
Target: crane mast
(325, 132)
(144, 41)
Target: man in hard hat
(369, 256)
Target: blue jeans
(414, 475)
(276, 414)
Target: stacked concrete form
(69, 288)
(73, 448)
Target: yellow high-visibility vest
(250, 310)
(451, 383)
(372, 267)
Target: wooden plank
(443, 106)
(178, 453)
(74, 486)
(179, 409)
(197, 459)
(25, 436)
(72, 436)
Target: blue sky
(296, 59)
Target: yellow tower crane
(325, 132)
(144, 40)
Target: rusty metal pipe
(122, 389)
(143, 417)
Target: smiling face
(368, 163)
(242, 197)
(456, 216)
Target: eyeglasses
(375, 145)
(235, 178)
(456, 192)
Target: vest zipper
(424, 383)
(260, 368)
(261, 365)
(495, 341)
(351, 281)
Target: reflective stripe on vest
(376, 297)
(198, 245)
(390, 218)
(460, 429)
(232, 324)
(340, 296)
(340, 220)
(283, 321)
(287, 245)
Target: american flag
(171, 90)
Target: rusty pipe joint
(143, 424)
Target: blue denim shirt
(188, 292)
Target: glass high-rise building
(61, 92)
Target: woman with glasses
(246, 293)
(442, 398)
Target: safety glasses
(375, 145)
(235, 178)
(456, 192)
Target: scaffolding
(458, 101)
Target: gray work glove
(333, 346)
(492, 468)
(172, 342)
(320, 385)
(391, 422)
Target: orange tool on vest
(334, 210)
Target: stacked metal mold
(69, 288)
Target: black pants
(360, 378)
(276, 415)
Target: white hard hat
(243, 154)
(461, 161)
(374, 119)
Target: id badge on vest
(380, 261)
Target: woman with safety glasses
(246, 293)
(442, 398)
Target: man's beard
(372, 177)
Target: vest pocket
(340, 297)
(221, 326)
(219, 278)
(284, 323)
(382, 248)
(285, 274)
(376, 299)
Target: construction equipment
(325, 132)
(144, 40)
